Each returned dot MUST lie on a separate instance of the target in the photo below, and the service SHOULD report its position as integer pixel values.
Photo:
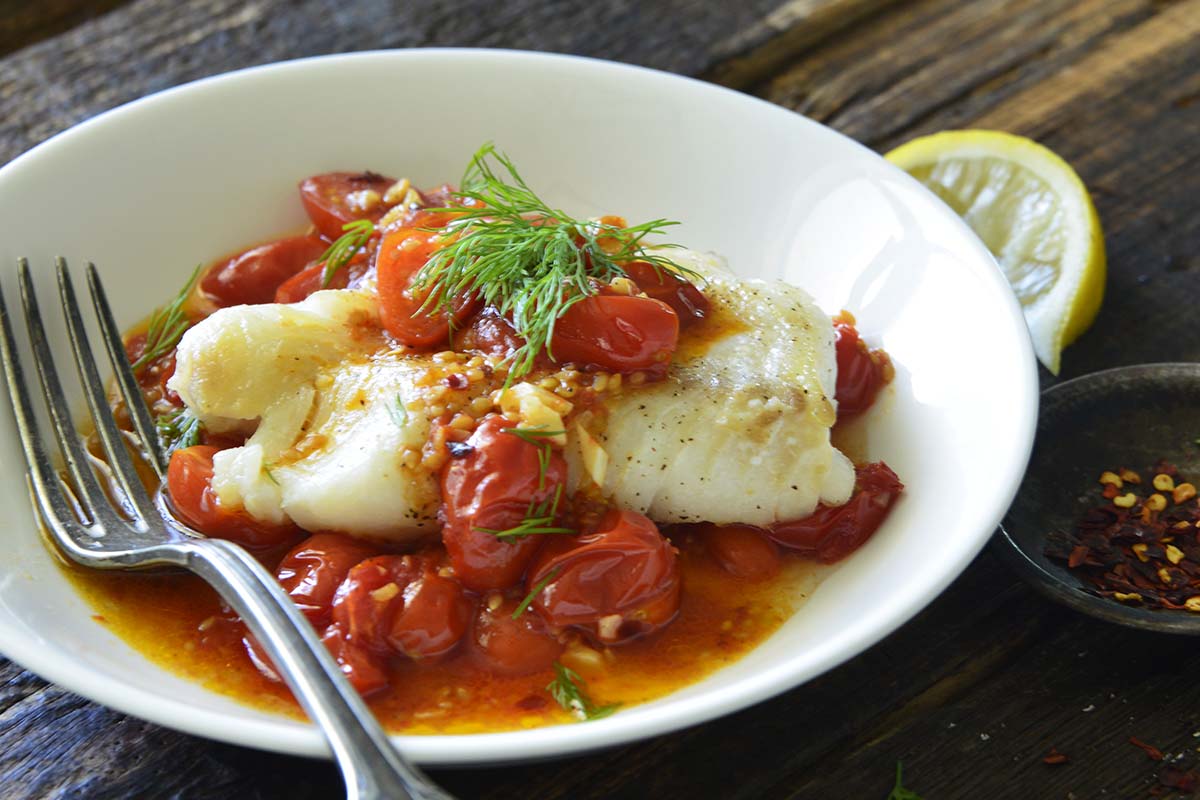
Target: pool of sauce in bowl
(178, 623)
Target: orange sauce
(178, 623)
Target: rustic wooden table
(972, 693)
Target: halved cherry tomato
(399, 604)
(189, 478)
(742, 550)
(831, 534)
(330, 199)
(491, 487)
(619, 333)
(862, 372)
(402, 253)
(254, 275)
(688, 302)
(488, 332)
(618, 583)
(513, 646)
(312, 572)
(310, 279)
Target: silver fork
(91, 530)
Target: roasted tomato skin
(189, 480)
(402, 253)
(329, 199)
(312, 572)
(312, 279)
(491, 487)
(862, 372)
(831, 534)
(619, 333)
(400, 605)
(743, 551)
(625, 569)
(687, 301)
(512, 646)
(255, 275)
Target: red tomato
(618, 583)
(742, 550)
(688, 302)
(189, 479)
(312, 572)
(831, 534)
(310, 279)
(619, 333)
(399, 604)
(330, 199)
(402, 253)
(365, 670)
(253, 276)
(490, 333)
(513, 646)
(862, 372)
(491, 487)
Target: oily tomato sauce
(463, 634)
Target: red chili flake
(1055, 757)
(1150, 749)
(1176, 778)
(1145, 554)
(457, 381)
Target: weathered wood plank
(23, 23)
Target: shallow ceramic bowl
(151, 189)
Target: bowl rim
(301, 738)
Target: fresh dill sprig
(534, 592)
(539, 519)
(399, 412)
(167, 325)
(898, 790)
(537, 437)
(530, 261)
(177, 430)
(344, 248)
(567, 689)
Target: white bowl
(150, 189)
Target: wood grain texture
(974, 691)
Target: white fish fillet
(737, 433)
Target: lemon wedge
(1035, 216)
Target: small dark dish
(1130, 416)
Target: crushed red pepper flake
(1150, 749)
(1054, 757)
(1137, 550)
(1175, 778)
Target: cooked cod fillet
(738, 432)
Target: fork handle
(364, 754)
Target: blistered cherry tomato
(255, 275)
(488, 332)
(365, 670)
(742, 550)
(862, 372)
(619, 333)
(402, 253)
(312, 572)
(831, 534)
(688, 302)
(311, 279)
(333, 199)
(491, 487)
(617, 583)
(399, 604)
(189, 478)
(513, 646)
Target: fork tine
(134, 401)
(97, 399)
(45, 479)
(94, 499)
